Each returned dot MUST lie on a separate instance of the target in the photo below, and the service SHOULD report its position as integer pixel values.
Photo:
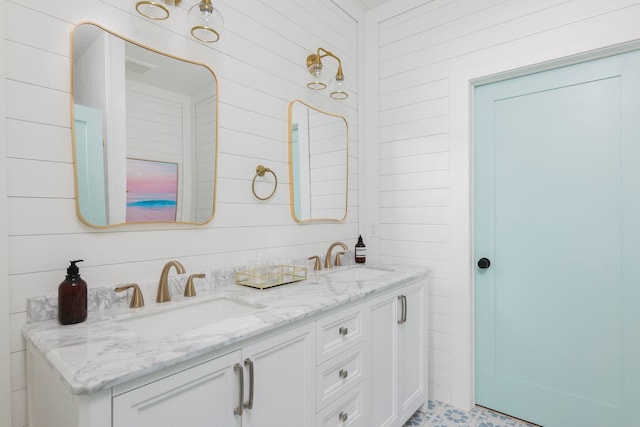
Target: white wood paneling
(7, 374)
(427, 53)
(260, 66)
(19, 407)
(37, 141)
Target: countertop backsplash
(45, 307)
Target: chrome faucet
(327, 258)
(163, 286)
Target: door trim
(461, 90)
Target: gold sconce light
(205, 20)
(314, 66)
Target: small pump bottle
(72, 297)
(361, 251)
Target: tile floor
(442, 415)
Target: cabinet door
(382, 378)
(202, 396)
(284, 380)
(411, 352)
(397, 354)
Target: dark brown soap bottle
(361, 251)
(72, 297)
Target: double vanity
(346, 347)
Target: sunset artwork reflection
(152, 191)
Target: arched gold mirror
(145, 132)
(318, 164)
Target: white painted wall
(260, 64)
(6, 358)
(423, 57)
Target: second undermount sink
(359, 274)
(182, 318)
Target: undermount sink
(170, 321)
(359, 274)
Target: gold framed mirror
(318, 164)
(144, 128)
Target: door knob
(484, 263)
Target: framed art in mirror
(318, 164)
(133, 105)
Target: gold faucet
(316, 262)
(137, 300)
(327, 258)
(190, 289)
(163, 286)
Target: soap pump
(361, 251)
(72, 296)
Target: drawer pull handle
(249, 403)
(240, 371)
(343, 373)
(343, 331)
(343, 416)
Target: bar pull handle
(240, 372)
(403, 315)
(249, 403)
(343, 331)
(343, 373)
(406, 309)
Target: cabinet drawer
(338, 375)
(345, 412)
(338, 332)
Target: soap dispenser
(72, 296)
(361, 251)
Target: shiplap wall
(204, 170)
(157, 126)
(426, 55)
(260, 66)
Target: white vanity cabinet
(397, 349)
(202, 396)
(277, 389)
(202, 393)
(360, 365)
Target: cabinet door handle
(406, 309)
(343, 373)
(343, 331)
(403, 304)
(343, 416)
(249, 403)
(240, 372)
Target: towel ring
(260, 171)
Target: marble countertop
(101, 352)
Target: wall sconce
(314, 66)
(207, 20)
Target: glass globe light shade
(152, 9)
(316, 83)
(208, 22)
(339, 89)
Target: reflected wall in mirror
(135, 106)
(318, 163)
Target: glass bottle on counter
(361, 251)
(72, 297)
